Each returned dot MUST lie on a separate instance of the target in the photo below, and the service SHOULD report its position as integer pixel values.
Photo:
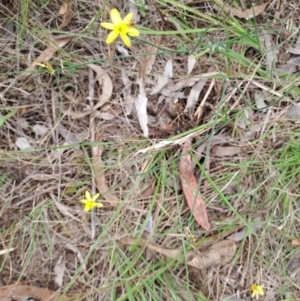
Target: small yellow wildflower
(90, 202)
(120, 27)
(256, 291)
(47, 66)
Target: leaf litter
(182, 84)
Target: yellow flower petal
(125, 39)
(95, 197)
(115, 16)
(111, 37)
(256, 291)
(87, 207)
(133, 32)
(88, 195)
(41, 65)
(128, 18)
(260, 290)
(107, 25)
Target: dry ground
(247, 173)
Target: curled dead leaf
(65, 11)
(105, 82)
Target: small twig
(199, 111)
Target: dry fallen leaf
(259, 98)
(148, 235)
(142, 100)
(293, 113)
(5, 251)
(295, 48)
(65, 11)
(65, 210)
(98, 173)
(225, 151)
(147, 63)
(128, 97)
(194, 96)
(40, 130)
(291, 65)
(246, 14)
(231, 298)
(162, 80)
(69, 137)
(293, 266)
(59, 271)
(26, 292)
(191, 63)
(238, 236)
(49, 52)
(22, 143)
(271, 50)
(219, 253)
(296, 242)
(190, 187)
(105, 82)
(104, 115)
(141, 107)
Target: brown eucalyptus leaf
(106, 84)
(65, 11)
(190, 187)
(219, 253)
(246, 14)
(49, 52)
(225, 151)
(26, 292)
(98, 172)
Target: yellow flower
(90, 202)
(47, 66)
(256, 291)
(120, 27)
